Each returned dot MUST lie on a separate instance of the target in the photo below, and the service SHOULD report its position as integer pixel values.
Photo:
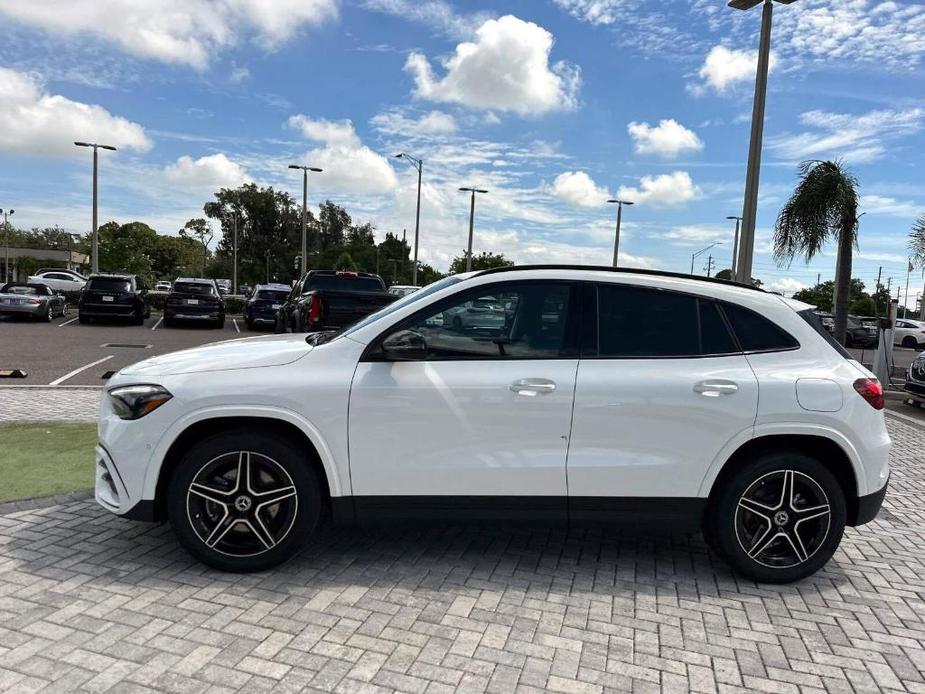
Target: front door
(480, 424)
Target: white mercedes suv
(603, 396)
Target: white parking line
(58, 381)
(236, 325)
(68, 322)
(154, 327)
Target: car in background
(263, 304)
(162, 286)
(224, 286)
(484, 312)
(31, 299)
(401, 290)
(194, 299)
(915, 379)
(116, 295)
(331, 300)
(859, 335)
(246, 289)
(59, 280)
(909, 333)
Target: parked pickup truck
(331, 300)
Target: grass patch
(45, 459)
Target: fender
(792, 429)
(328, 461)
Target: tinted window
(525, 321)
(193, 288)
(268, 295)
(419, 295)
(757, 334)
(109, 284)
(813, 319)
(350, 283)
(713, 331)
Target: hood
(244, 353)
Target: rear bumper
(184, 314)
(868, 506)
(107, 310)
(22, 311)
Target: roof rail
(631, 271)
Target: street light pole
(696, 255)
(471, 222)
(419, 165)
(305, 170)
(616, 240)
(6, 239)
(750, 206)
(735, 246)
(95, 252)
(234, 270)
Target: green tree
(727, 275)
(917, 250)
(822, 295)
(864, 306)
(199, 232)
(483, 261)
(127, 248)
(823, 207)
(345, 262)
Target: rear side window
(811, 317)
(757, 334)
(635, 322)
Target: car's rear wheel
(779, 519)
(83, 319)
(244, 501)
(910, 342)
(138, 317)
(49, 315)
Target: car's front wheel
(244, 501)
(779, 519)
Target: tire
(279, 327)
(910, 342)
(849, 341)
(249, 323)
(48, 317)
(170, 323)
(261, 534)
(297, 323)
(83, 320)
(219, 324)
(138, 319)
(747, 510)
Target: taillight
(314, 310)
(35, 302)
(871, 390)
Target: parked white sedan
(59, 280)
(909, 333)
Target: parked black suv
(331, 300)
(114, 296)
(194, 299)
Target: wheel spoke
(273, 496)
(218, 496)
(221, 528)
(797, 544)
(256, 526)
(763, 542)
(805, 514)
(786, 492)
(759, 509)
(243, 473)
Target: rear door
(662, 388)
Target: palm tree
(823, 207)
(917, 251)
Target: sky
(553, 106)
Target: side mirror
(405, 345)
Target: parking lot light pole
(6, 240)
(471, 223)
(305, 170)
(616, 240)
(419, 165)
(750, 206)
(699, 253)
(735, 244)
(95, 252)
(234, 269)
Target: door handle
(713, 389)
(532, 386)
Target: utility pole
(818, 278)
(404, 245)
(877, 291)
(419, 165)
(709, 265)
(471, 223)
(616, 239)
(234, 270)
(95, 252)
(305, 170)
(906, 302)
(6, 237)
(735, 245)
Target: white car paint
(906, 330)
(59, 280)
(621, 428)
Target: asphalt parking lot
(64, 352)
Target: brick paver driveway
(88, 601)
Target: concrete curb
(45, 501)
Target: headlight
(134, 402)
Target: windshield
(20, 289)
(193, 288)
(109, 284)
(350, 283)
(404, 301)
(268, 295)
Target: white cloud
(593, 11)
(186, 32)
(437, 14)
(35, 122)
(668, 139)
(700, 234)
(857, 138)
(329, 132)
(786, 285)
(208, 172)
(578, 188)
(239, 73)
(395, 122)
(506, 68)
(348, 164)
(726, 67)
(675, 188)
(882, 204)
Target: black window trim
(374, 353)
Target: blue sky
(553, 105)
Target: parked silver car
(31, 299)
(484, 312)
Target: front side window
(637, 322)
(514, 321)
